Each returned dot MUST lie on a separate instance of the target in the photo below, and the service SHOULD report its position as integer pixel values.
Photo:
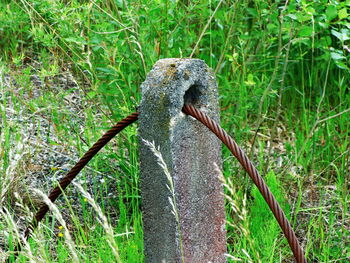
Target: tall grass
(283, 74)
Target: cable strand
(220, 133)
(254, 175)
(64, 182)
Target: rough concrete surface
(190, 151)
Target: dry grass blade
(205, 28)
(172, 199)
(12, 227)
(58, 215)
(103, 221)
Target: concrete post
(189, 150)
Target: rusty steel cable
(64, 182)
(221, 134)
(254, 175)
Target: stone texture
(190, 151)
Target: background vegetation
(69, 69)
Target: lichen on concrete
(190, 151)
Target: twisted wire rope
(64, 182)
(220, 133)
(254, 175)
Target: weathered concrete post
(190, 151)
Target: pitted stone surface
(190, 151)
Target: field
(70, 69)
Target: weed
(69, 69)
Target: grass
(70, 69)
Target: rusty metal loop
(254, 175)
(220, 133)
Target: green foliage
(264, 228)
(283, 71)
